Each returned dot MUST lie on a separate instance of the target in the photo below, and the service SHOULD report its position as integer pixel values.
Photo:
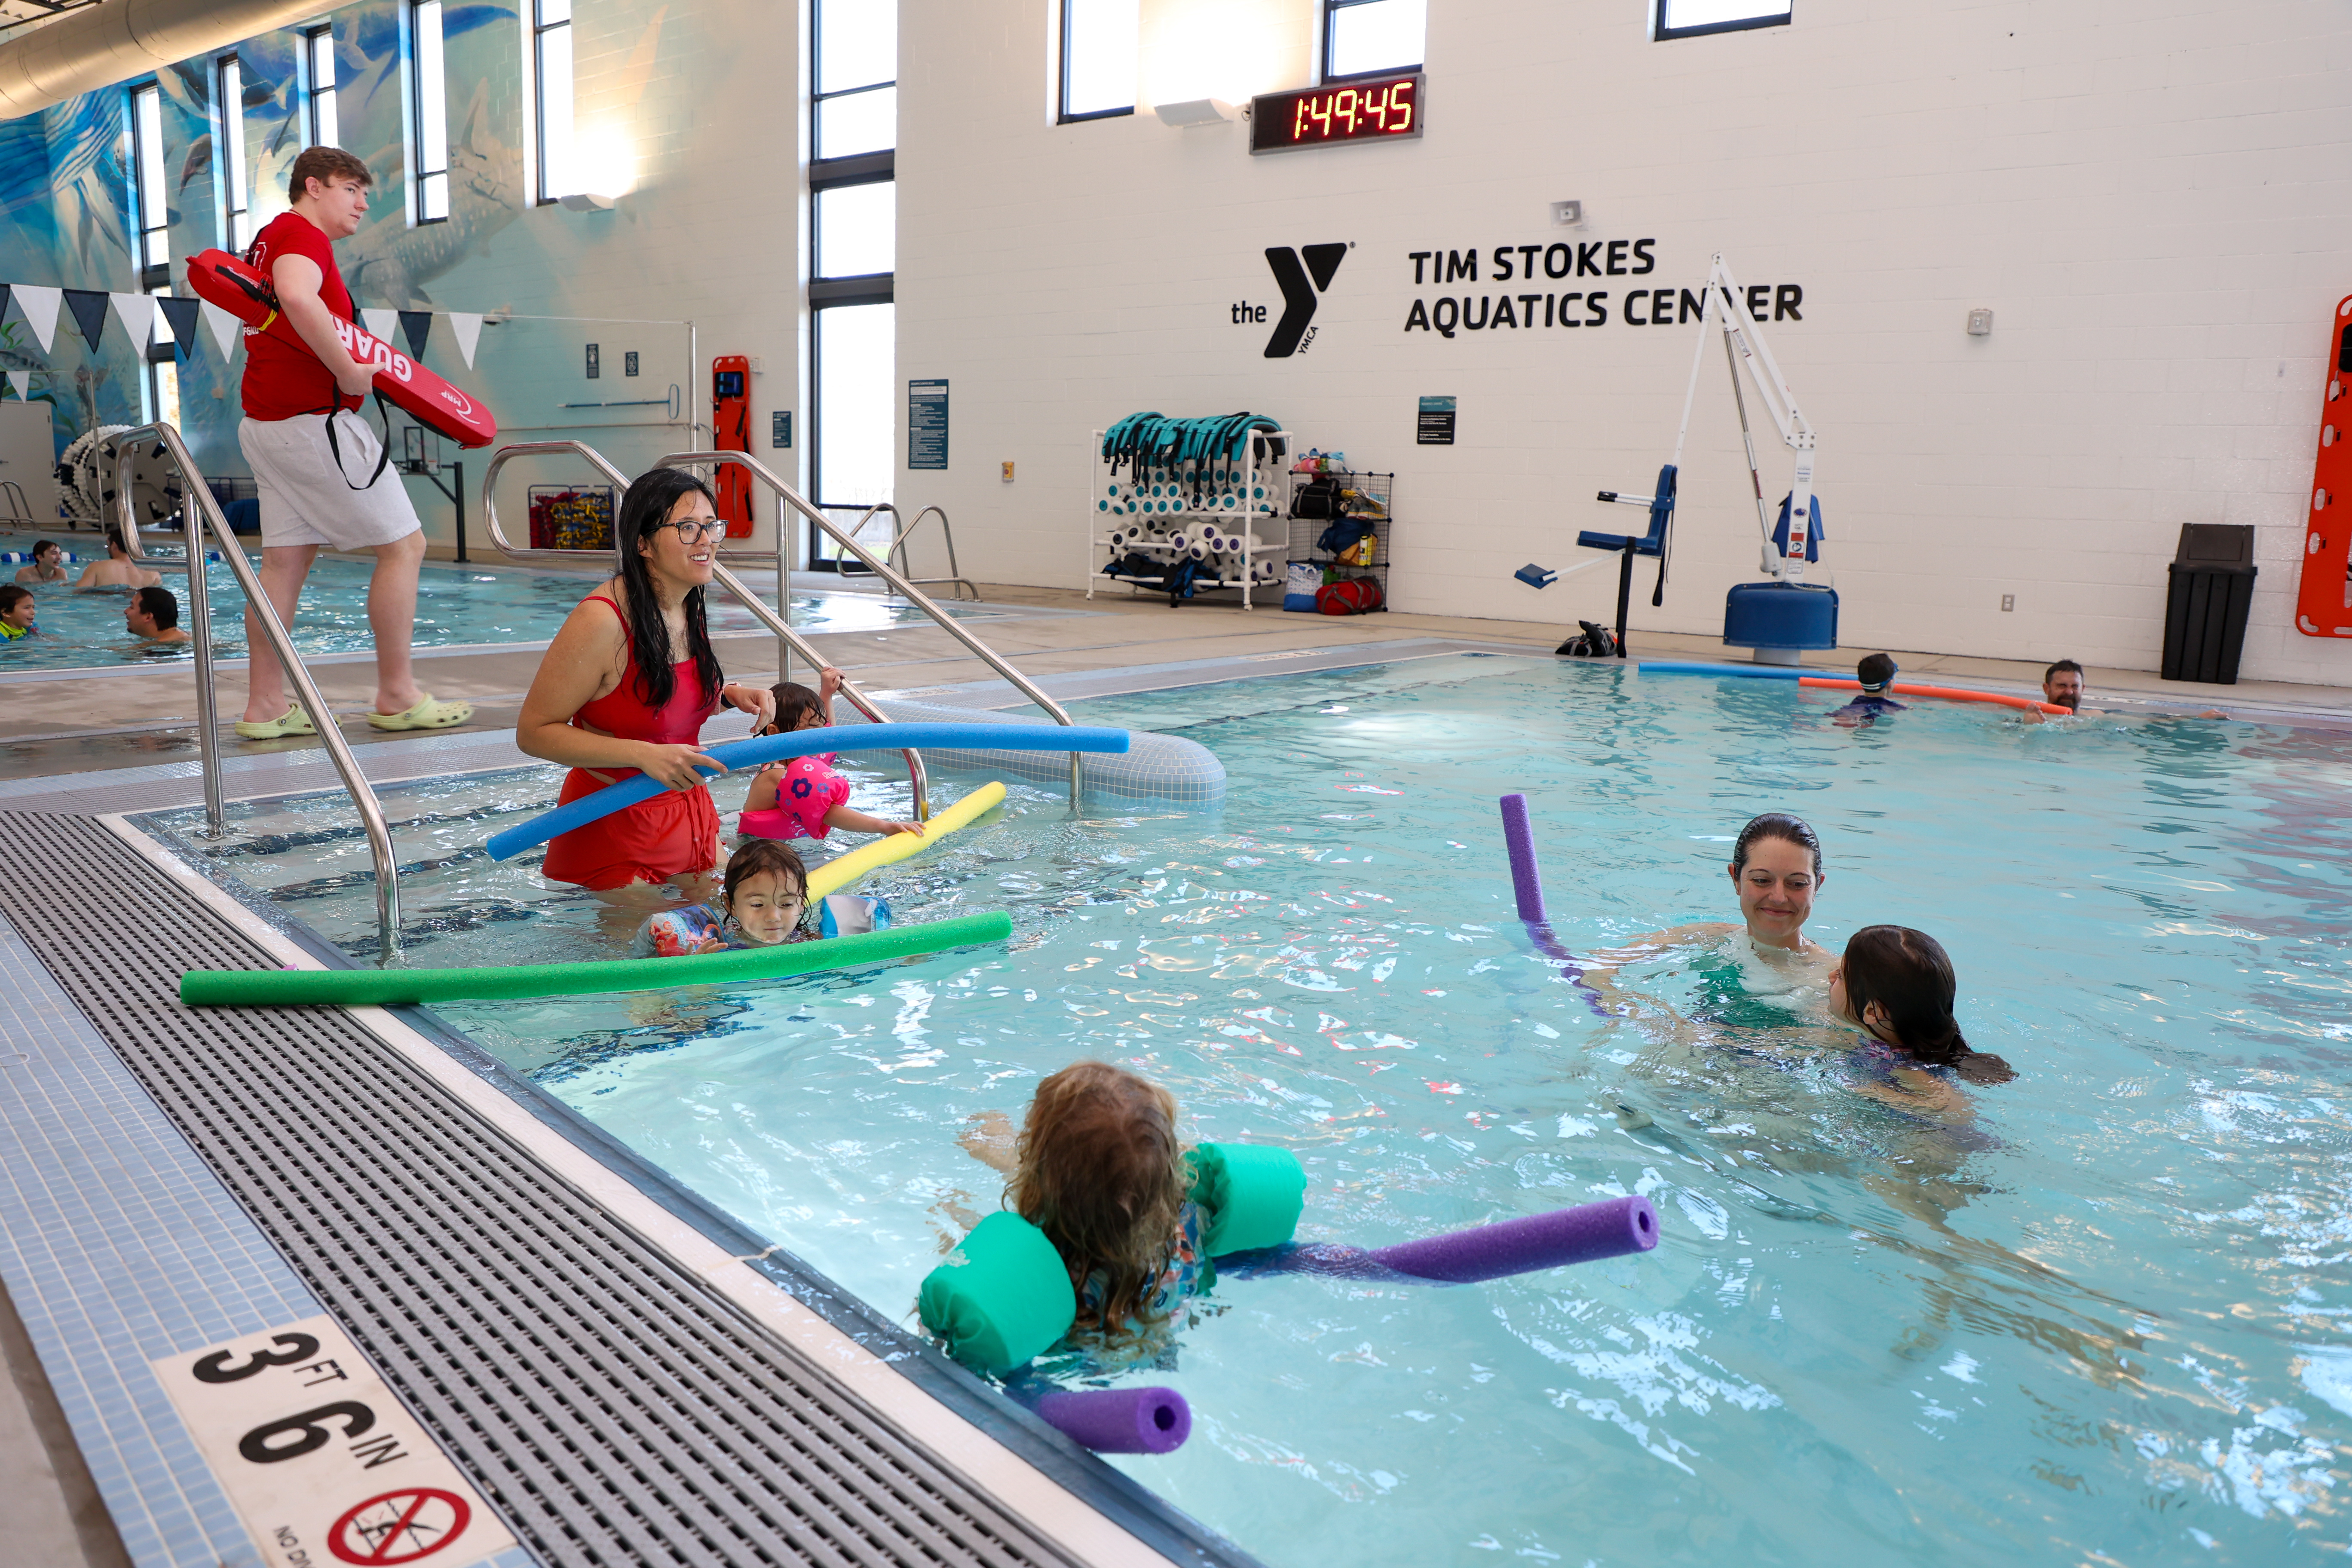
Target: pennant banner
(180, 315)
(138, 314)
(414, 325)
(88, 308)
(380, 324)
(38, 306)
(23, 388)
(226, 329)
(467, 326)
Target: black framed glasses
(696, 531)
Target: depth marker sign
(319, 1461)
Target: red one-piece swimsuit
(671, 835)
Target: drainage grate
(615, 1409)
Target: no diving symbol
(399, 1527)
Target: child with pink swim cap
(804, 798)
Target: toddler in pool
(1097, 1165)
(760, 907)
(804, 798)
(1896, 986)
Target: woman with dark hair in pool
(612, 699)
(1776, 868)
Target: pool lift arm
(1743, 348)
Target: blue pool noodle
(762, 749)
(1751, 671)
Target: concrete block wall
(2149, 198)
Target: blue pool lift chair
(1662, 515)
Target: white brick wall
(2150, 199)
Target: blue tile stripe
(118, 1245)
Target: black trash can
(2205, 613)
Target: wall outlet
(2008, 600)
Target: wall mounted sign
(1436, 427)
(1386, 108)
(927, 424)
(629, 363)
(595, 360)
(779, 427)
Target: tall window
(235, 200)
(1692, 19)
(854, 238)
(1098, 58)
(151, 218)
(431, 167)
(550, 54)
(1374, 38)
(319, 59)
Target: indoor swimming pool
(456, 606)
(2101, 1315)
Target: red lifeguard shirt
(282, 379)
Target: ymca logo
(1300, 286)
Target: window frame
(235, 179)
(1062, 90)
(1660, 34)
(879, 167)
(313, 37)
(151, 273)
(419, 176)
(538, 31)
(1331, 9)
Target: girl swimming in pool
(1896, 986)
(804, 798)
(1097, 1167)
(760, 907)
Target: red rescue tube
(245, 293)
(1949, 693)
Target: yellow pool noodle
(841, 870)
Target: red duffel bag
(1349, 597)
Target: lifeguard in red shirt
(315, 462)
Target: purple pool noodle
(1582, 1235)
(1526, 883)
(1120, 1420)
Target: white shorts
(304, 500)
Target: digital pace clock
(1383, 110)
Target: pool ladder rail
(899, 556)
(201, 512)
(779, 619)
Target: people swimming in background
(1877, 672)
(804, 798)
(759, 905)
(16, 613)
(47, 568)
(116, 570)
(1098, 1167)
(1897, 986)
(153, 616)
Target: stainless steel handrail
(889, 573)
(20, 509)
(955, 572)
(198, 513)
(917, 776)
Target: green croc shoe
(293, 721)
(428, 714)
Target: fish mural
(389, 263)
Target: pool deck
(66, 724)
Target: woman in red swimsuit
(610, 701)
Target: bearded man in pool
(2061, 686)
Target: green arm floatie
(1252, 1193)
(391, 987)
(1001, 1298)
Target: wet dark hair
(160, 603)
(2065, 666)
(1875, 669)
(1908, 975)
(1774, 824)
(11, 597)
(645, 509)
(114, 538)
(42, 546)
(760, 857)
(792, 700)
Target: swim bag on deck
(1349, 596)
(1001, 1298)
(1252, 1193)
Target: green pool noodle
(1000, 1299)
(395, 987)
(1252, 1193)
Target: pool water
(455, 606)
(2099, 1314)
